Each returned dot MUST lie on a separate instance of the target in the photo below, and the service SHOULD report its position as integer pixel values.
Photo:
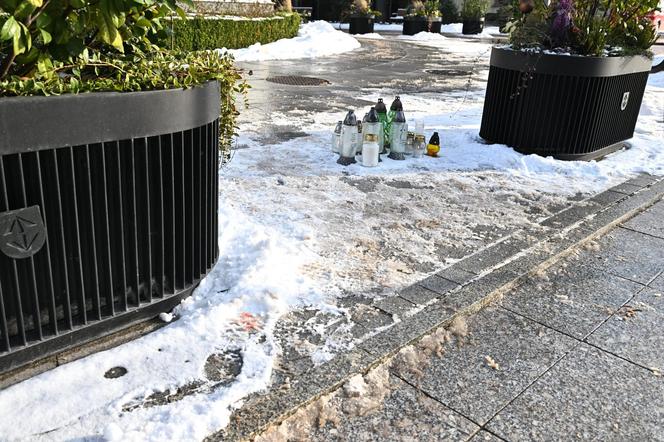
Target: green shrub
(474, 9)
(449, 12)
(50, 47)
(202, 33)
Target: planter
(108, 213)
(361, 25)
(472, 26)
(415, 25)
(573, 108)
(435, 26)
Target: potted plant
(449, 12)
(362, 17)
(422, 16)
(571, 83)
(108, 154)
(472, 14)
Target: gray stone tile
(341, 367)
(629, 254)
(456, 274)
(589, 395)
(394, 305)
(488, 258)
(635, 332)
(643, 180)
(418, 294)
(651, 221)
(403, 333)
(478, 292)
(626, 188)
(658, 283)
(607, 198)
(405, 414)
(572, 215)
(485, 436)
(462, 378)
(572, 297)
(439, 285)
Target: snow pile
(457, 28)
(315, 39)
(258, 279)
(423, 36)
(372, 36)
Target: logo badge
(625, 101)
(22, 232)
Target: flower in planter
(429, 9)
(585, 27)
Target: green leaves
(63, 28)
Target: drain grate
(449, 72)
(295, 80)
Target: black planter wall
(571, 108)
(471, 27)
(361, 25)
(414, 26)
(108, 212)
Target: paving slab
(462, 378)
(405, 414)
(658, 283)
(485, 436)
(629, 254)
(651, 221)
(635, 332)
(572, 297)
(589, 395)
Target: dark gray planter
(415, 25)
(361, 24)
(571, 108)
(108, 211)
(472, 26)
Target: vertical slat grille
(560, 115)
(128, 223)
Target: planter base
(361, 25)
(471, 27)
(572, 108)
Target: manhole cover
(294, 80)
(449, 72)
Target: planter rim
(573, 65)
(30, 124)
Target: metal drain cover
(449, 72)
(295, 80)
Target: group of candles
(381, 131)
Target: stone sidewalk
(533, 338)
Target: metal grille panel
(564, 116)
(130, 224)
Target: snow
(315, 39)
(372, 35)
(259, 276)
(293, 235)
(423, 36)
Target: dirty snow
(298, 230)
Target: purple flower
(562, 22)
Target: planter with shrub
(361, 18)
(108, 170)
(201, 32)
(449, 12)
(472, 14)
(422, 16)
(571, 83)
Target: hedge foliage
(202, 33)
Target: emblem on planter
(22, 232)
(625, 101)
